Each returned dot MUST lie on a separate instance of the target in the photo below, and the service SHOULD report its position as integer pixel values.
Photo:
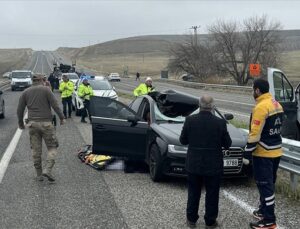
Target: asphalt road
(85, 198)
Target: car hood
(170, 132)
(105, 93)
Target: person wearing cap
(39, 100)
(66, 89)
(46, 82)
(206, 135)
(144, 88)
(85, 92)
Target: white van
(20, 79)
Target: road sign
(255, 70)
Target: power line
(195, 28)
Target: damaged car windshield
(160, 117)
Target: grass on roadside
(239, 124)
(126, 95)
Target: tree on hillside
(192, 59)
(238, 45)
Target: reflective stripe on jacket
(66, 89)
(142, 89)
(85, 91)
(265, 128)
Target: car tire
(2, 116)
(12, 88)
(155, 164)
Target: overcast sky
(51, 24)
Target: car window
(100, 85)
(72, 76)
(21, 75)
(161, 117)
(283, 89)
(109, 108)
(135, 105)
(144, 110)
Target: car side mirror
(133, 119)
(228, 116)
(1, 92)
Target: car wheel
(12, 88)
(155, 164)
(3, 111)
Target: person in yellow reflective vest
(144, 88)
(85, 92)
(66, 89)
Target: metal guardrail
(290, 160)
(205, 86)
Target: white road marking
(229, 101)
(10, 151)
(248, 208)
(37, 60)
(235, 113)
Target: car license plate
(231, 162)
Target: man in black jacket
(205, 134)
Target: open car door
(283, 92)
(117, 130)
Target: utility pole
(195, 33)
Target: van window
(282, 87)
(20, 75)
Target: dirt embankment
(11, 59)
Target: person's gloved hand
(21, 125)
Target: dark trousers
(212, 187)
(67, 102)
(265, 170)
(86, 110)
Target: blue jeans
(265, 170)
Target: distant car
(72, 77)
(114, 77)
(101, 87)
(21, 79)
(149, 130)
(187, 77)
(7, 75)
(2, 106)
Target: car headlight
(177, 149)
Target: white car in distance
(101, 87)
(7, 75)
(114, 77)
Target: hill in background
(148, 54)
(11, 59)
